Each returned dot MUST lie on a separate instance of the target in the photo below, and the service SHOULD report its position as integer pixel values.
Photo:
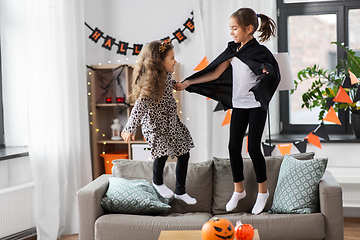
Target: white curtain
(57, 112)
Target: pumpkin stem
(239, 223)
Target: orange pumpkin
(217, 229)
(244, 231)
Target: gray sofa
(211, 184)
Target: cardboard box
(141, 152)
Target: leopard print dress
(160, 124)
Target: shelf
(111, 141)
(119, 141)
(109, 66)
(110, 105)
(138, 141)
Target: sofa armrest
(89, 204)
(331, 206)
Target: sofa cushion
(224, 185)
(297, 189)
(199, 181)
(133, 196)
(127, 226)
(282, 226)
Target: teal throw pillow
(133, 197)
(297, 189)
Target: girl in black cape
(244, 78)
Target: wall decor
(123, 46)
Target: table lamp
(287, 81)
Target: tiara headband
(163, 45)
(257, 15)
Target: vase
(355, 122)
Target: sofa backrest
(199, 181)
(224, 185)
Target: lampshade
(287, 81)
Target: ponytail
(267, 28)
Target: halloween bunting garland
(122, 46)
(315, 135)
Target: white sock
(186, 198)
(260, 202)
(231, 205)
(164, 191)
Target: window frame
(2, 140)
(285, 10)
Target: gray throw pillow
(133, 197)
(297, 189)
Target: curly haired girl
(156, 110)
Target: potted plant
(326, 85)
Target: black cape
(256, 57)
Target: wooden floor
(351, 230)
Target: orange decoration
(284, 148)
(227, 118)
(244, 231)
(353, 78)
(332, 117)
(342, 96)
(203, 64)
(314, 140)
(247, 143)
(217, 228)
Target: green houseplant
(326, 84)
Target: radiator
(17, 209)
(351, 194)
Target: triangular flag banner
(342, 96)
(347, 83)
(353, 78)
(284, 148)
(301, 145)
(268, 149)
(219, 107)
(320, 131)
(331, 116)
(203, 64)
(357, 96)
(247, 144)
(227, 118)
(314, 140)
(329, 102)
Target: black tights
(181, 171)
(240, 119)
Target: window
(306, 29)
(2, 141)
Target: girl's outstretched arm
(210, 76)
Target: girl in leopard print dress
(155, 109)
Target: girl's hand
(176, 86)
(183, 85)
(126, 136)
(264, 70)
